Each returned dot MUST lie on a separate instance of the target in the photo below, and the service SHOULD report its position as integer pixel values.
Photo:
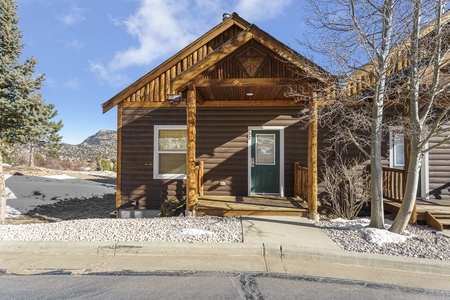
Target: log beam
(312, 159)
(191, 179)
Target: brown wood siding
(439, 170)
(137, 156)
(222, 144)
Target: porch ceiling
(260, 89)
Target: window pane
(399, 152)
(265, 149)
(172, 140)
(171, 163)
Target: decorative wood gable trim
(251, 59)
(154, 86)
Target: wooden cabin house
(214, 120)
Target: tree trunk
(377, 209)
(31, 158)
(2, 193)
(409, 196)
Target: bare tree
(353, 33)
(427, 84)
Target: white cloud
(258, 10)
(113, 78)
(72, 84)
(161, 27)
(74, 16)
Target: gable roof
(202, 55)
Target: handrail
(300, 181)
(199, 173)
(393, 184)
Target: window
(398, 150)
(169, 161)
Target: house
(214, 120)
(219, 103)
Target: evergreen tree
(39, 129)
(18, 89)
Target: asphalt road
(200, 285)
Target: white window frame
(156, 152)
(392, 158)
(424, 170)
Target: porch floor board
(232, 206)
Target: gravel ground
(89, 220)
(419, 241)
(175, 229)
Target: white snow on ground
(372, 235)
(10, 211)
(194, 231)
(59, 177)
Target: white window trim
(424, 170)
(393, 129)
(156, 174)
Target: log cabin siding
(222, 143)
(439, 170)
(137, 156)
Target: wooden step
(437, 220)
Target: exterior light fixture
(249, 94)
(174, 99)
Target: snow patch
(382, 236)
(194, 231)
(61, 176)
(372, 235)
(12, 212)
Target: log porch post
(191, 179)
(312, 160)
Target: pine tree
(18, 89)
(39, 129)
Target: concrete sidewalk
(289, 245)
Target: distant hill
(103, 144)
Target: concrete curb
(367, 260)
(284, 253)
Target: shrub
(172, 207)
(347, 186)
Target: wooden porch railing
(393, 184)
(199, 172)
(300, 181)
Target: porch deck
(436, 213)
(232, 206)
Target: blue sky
(91, 50)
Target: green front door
(265, 162)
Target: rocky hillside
(103, 144)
